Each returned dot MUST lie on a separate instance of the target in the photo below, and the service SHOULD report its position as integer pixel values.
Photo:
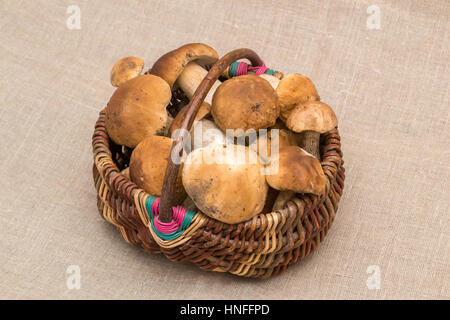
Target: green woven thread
(233, 69)
(189, 215)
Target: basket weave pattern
(261, 247)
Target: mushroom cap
(203, 111)
(293, 90)
(126, 69)
(312, 116)
(245, 102)
(148, 164)
(137, 109)
(297, 171)
(171, 65)
(231, 191)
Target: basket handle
(167, 193)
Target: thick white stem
(274, 81)
(191, 78)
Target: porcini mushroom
(296, 170)
(137, 109)
(312, 118)
(185, 64)
(293, 90)
(245, 102)
(228, 190)
(126, 69)
(148, 165)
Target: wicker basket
(261, 247)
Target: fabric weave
(389, 88)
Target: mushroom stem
(282, 198)
(274, 81)
(271, 197)
(310, 141)
(190, 79)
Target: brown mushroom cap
(148, 166)
(230, 192)
(172, 64)
(293, 90)
(298, 171)
(126, 69)
(245, 102)
(312, 116)
(137, 109)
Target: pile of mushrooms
(281, 158)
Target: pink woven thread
(260, 70)
(243, 69)
(168, 227)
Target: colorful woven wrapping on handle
(237, 69)
(168, 231)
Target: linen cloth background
(388, 87)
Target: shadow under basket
(259, 248)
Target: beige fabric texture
(389, 88)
